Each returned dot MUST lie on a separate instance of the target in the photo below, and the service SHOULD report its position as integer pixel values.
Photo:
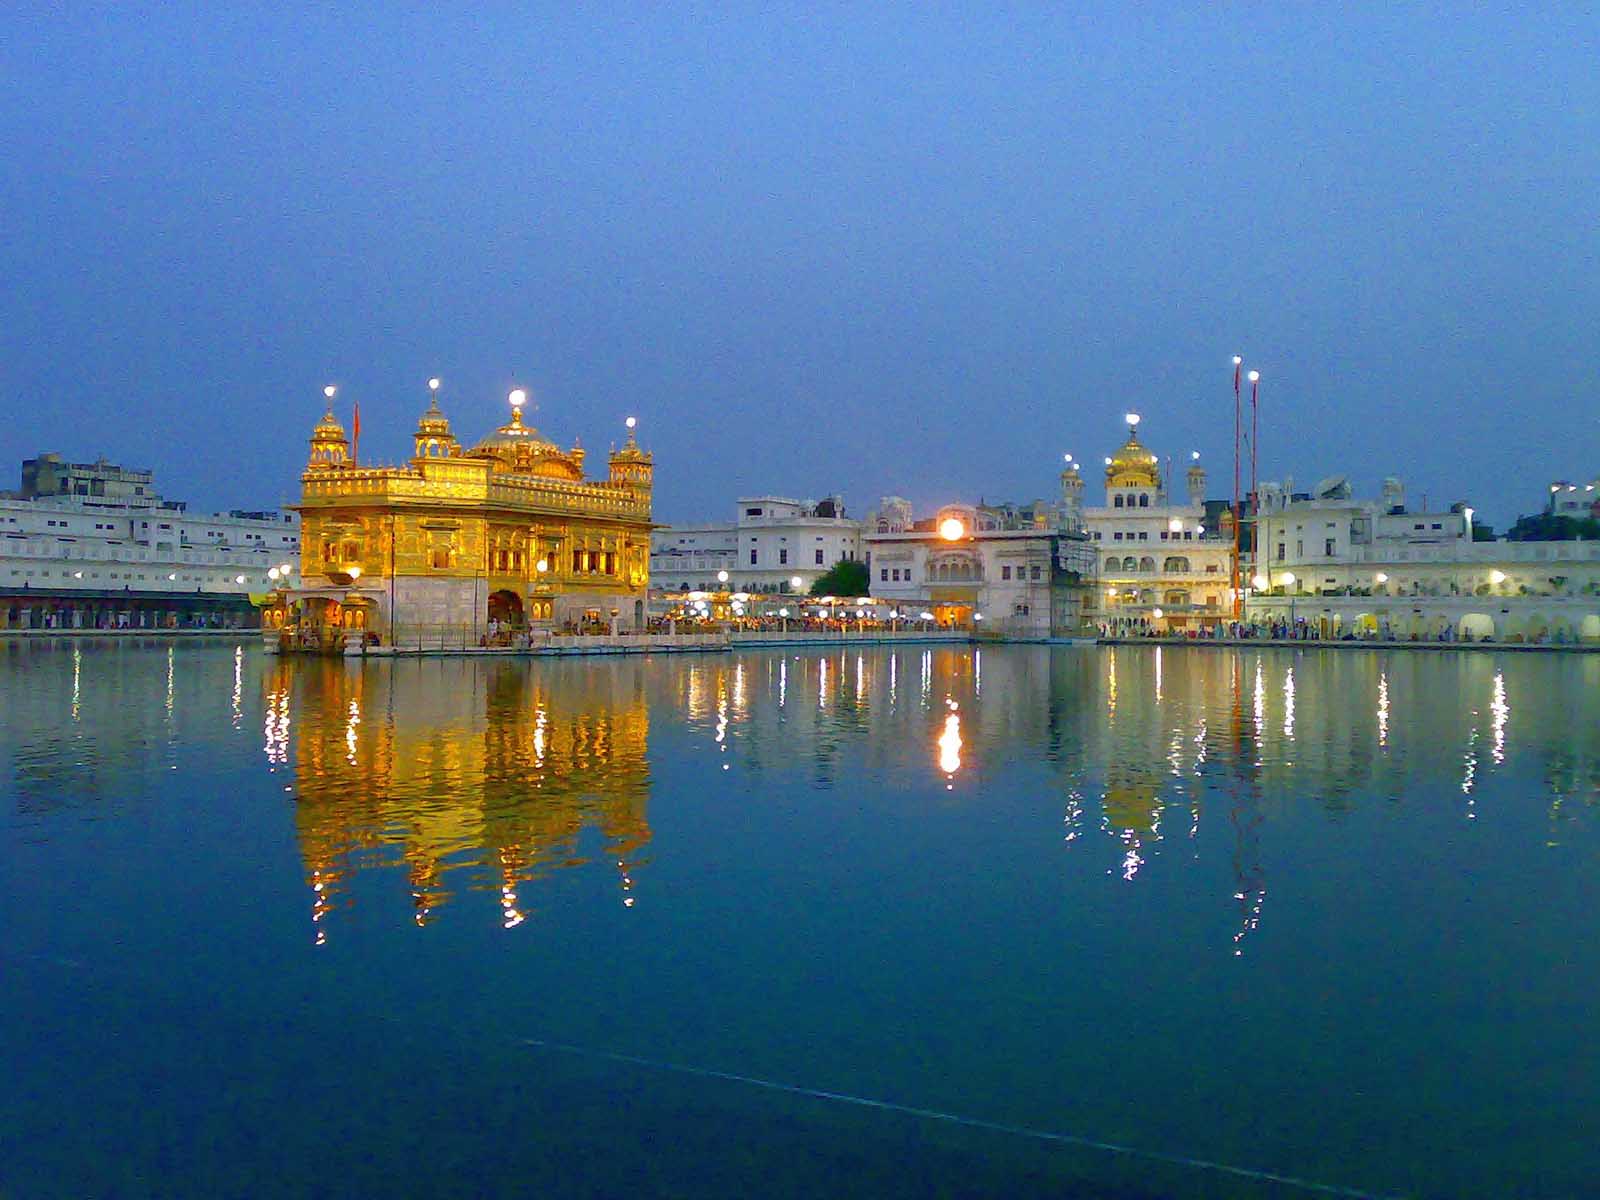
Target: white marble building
(1161, 564)
(1372, 567)
(108, 558)
(771, 542)
(1013, 569)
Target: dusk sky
(872, 250)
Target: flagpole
(1238, 363)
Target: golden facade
(487, 540)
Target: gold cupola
(630, 464)
(330, 449)
(433, 437)
(1133, 465)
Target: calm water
(287, 928)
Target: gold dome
(1133, 465)
(519, 449)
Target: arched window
(1176, 565)
(1130, 563)
(1144, 500)
(1113, 564)
(1116, 501)
(1147, 563)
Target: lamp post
(1238, 364)
(1289, 582)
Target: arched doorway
(505, 610)
(1589, 628)
(1474, 627)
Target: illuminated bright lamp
(722, 577)
(354, 572)
(795, 581)
(1157, 613)
(273, 572)
(1497, 576)
(433, 384)
(951, 529)
(631, 422)
(1132, 418)
(1237, 360)
(518, 397)
(1255, 377)
(1260, 583)
(329, 391)
(542, 565)
(1380, 577)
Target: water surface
(288, 926)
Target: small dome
(433, 421)
(328, 429)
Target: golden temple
(482, 542)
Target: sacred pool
(1078, 921)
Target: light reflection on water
(1043, 843)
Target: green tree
(845, 578)
(1548, 527)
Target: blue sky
(878, 249)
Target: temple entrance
(505, 610)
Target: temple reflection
(485, 788)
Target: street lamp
(433, 384)
(1288, 582)
(722, 577)
(795, 582)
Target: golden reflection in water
(1260, 703)
(1288, 704)
(950, 744)
(822, 682)
(238, 687)
(927, 677)
(1111, 681)
(783, 681)
(170, 680)
(77, 683)
(1158, 674)
(487, 787)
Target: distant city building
(1568, 499)
(1164, 561)
(503, 536)
(771, 542)
(1375, 567)
(96, 483)
(96, 546)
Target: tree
(845, 578)
(1548, 527)
(1482, 532)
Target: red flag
(355, 427)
